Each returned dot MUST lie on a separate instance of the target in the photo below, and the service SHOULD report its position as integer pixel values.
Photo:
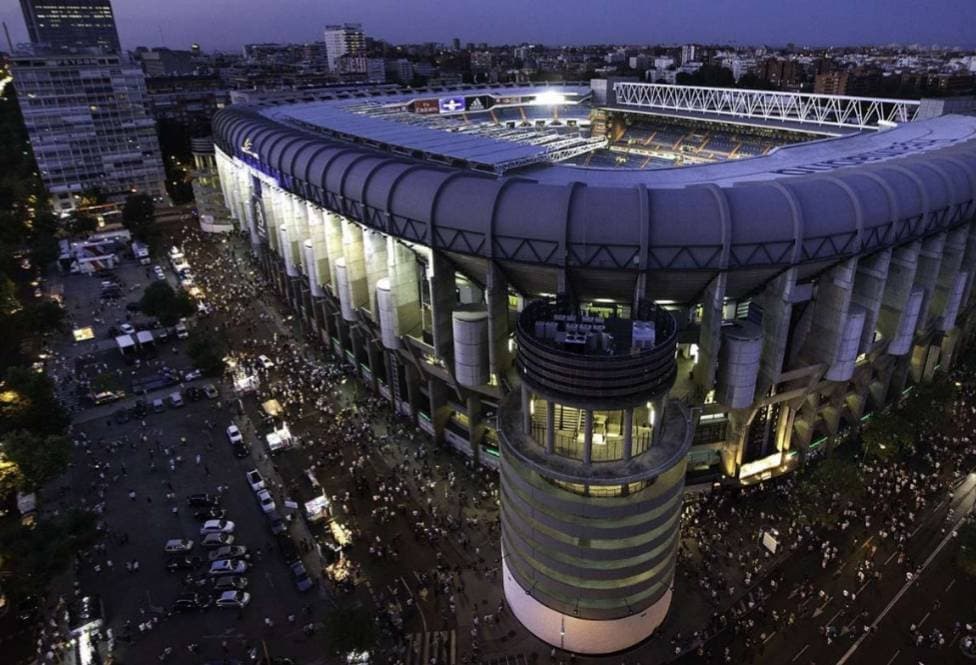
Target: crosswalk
(439, 646)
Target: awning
(124, 342)
(144, 337)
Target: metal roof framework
(831, 110)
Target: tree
(207, 351)
(888, 436)
(160, 300)
(42, 317)
(349, 629)
(27, 402)
(39, 459)
(138, 215)
(82, 224)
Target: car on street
(217, 526)
(233, 599)
(234, 435)
(127, 329)
(212, 540)
(203, 500)
(255, 480)
(302, 581)
(210, 391)
(190, 602)
(227, 567)
(192, 374)
(265, 362)
(230, 582)
(211, 513)
(240, 450)
(266, 501)
(278, 524)
(183, 563)
(181, 330)
(229, 552)
(175, 400)
(177, 546)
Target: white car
(255, 480)
(192, 375)
(228, 567)
(127, 328)
(234, 435)
(217, 526)
(233, 599)
(265, 362)
(178, 546)
(266, 501)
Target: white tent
(125, 343)
(144, 337)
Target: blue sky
(226, 24)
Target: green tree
(82, 224)
(27, 402)
(39, 459)
(349, 628)
(169, 306)
(42, 317)
(207, 351)
(138, 215)
(888, 436)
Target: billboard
(425, 106)
(451, 104)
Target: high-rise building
(89, 125)
(689, 53)
(346, 39)
(456, 44)
(71, 24)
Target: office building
(347, 39)
(59, 24)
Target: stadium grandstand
(611, 290)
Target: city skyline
(181, 22)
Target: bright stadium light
(549, 98)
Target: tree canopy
(169, 306)
(138, 215)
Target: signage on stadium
(425, 106)
(451, 104)
(509, 100)
(894, 150)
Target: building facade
(347, 39)
(71, 24)
(89, 125)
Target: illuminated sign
(894, 150)
(451, 104)
(425, 106)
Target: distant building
(188, 100)
(340, 40)
(689, 53)
(165, 62)
(456, 44)
(59, 24)
(781, 73)
(399, 70)
(89, 125)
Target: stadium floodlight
(549, 97)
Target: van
(175, 400)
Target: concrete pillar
(842, 368)
(332, 230)
(499, 331)
(443, 299)
(929, 262)
(526, 411)
(588, 437)
(374, 246)
(709, 336)
(355, 293)
(897, 289)
(439, 411)
(739, 364)
(951, 283)
(550, 427)
(776, 303)
(413, 390)
(628, 433)
(318, 269)
(831, 304)
(476, 427)
(968, 262)
(869, 284)
(470, 327)
(404, 302)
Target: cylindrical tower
(592, 474)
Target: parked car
(217, 526)
(240, 450)
(175, 400)
(233, 599)
(229, 552)
(234, 434)
(230, 582)
(278, 524)
(266, 501)
(265, 361)
(126, 328)
(210, 391)
(302, 581)
(178, 545)
(183, 563)
(192, 374)
(158, 406)
(212, 513)
(255, 480)
(181, 330)
(212, 540)
(203, 500)
(190, 602)
(227, 567)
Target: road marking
(951, 584)
(800, 653)
(924, 619)
(862, 586)
(834, 618)
(770, 637)
(893, 657)
(945, 541)
(893, 555)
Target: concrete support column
(968, 261)
(371, 355)
(332, 232)
(929, 262)
(476, 428)
(628, 433)
(499, 332)
(588, 437)
(831, 305)
(402, 269)
(353, 293)
(953, 277)
(439, 411)
(316, 253)
(776, 302)
(869, 285)
(442, 300)
(897, 289)
(710, 334)
(526, 410)
(375, 253)
(550, 427)
(413, 392)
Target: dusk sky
(226, 24)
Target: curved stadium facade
(528, 275)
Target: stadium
(613, 290)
